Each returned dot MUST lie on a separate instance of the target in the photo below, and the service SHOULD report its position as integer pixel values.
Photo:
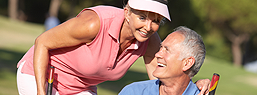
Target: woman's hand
(204, 86)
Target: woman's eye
(157, 21)
(142, 18)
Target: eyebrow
(138, 12)
(142, 13)
(166, 47)
(146, 14)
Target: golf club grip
(50, 81)
(214, 83)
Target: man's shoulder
(191, 89)
(143, 84)
(141, 88)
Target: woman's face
(143, 24)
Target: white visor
(152, 6)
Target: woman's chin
(142, 39)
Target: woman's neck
(126, 34)
(126, 37)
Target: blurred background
(228, 28)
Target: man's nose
(159, 53)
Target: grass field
(17, 37)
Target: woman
(100, 44)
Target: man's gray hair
(192, 46)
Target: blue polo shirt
(151, 87)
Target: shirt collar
(134, 45)
(191, 89)
(115, 25)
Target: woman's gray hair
(192, 46)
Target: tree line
(227, 27)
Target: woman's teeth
(143, 33)
(161, 65)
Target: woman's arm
(78, 30)
(149, 57)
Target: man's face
(169, 65)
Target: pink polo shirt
(81, 68)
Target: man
(180, 57)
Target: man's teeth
(162, 65)
(143, 33)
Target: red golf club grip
(50, 81)
(214, 83)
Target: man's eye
(160, 46)
(166, 49)
(163, 47)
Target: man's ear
(188, 63)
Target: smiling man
(180, 57)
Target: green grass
(233, 81)
(17, 37)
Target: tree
(13, 9)
(54, 7)
(236, 20)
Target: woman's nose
(148, 25)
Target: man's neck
(173, 86)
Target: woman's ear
(126, 13)
(188, 63)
